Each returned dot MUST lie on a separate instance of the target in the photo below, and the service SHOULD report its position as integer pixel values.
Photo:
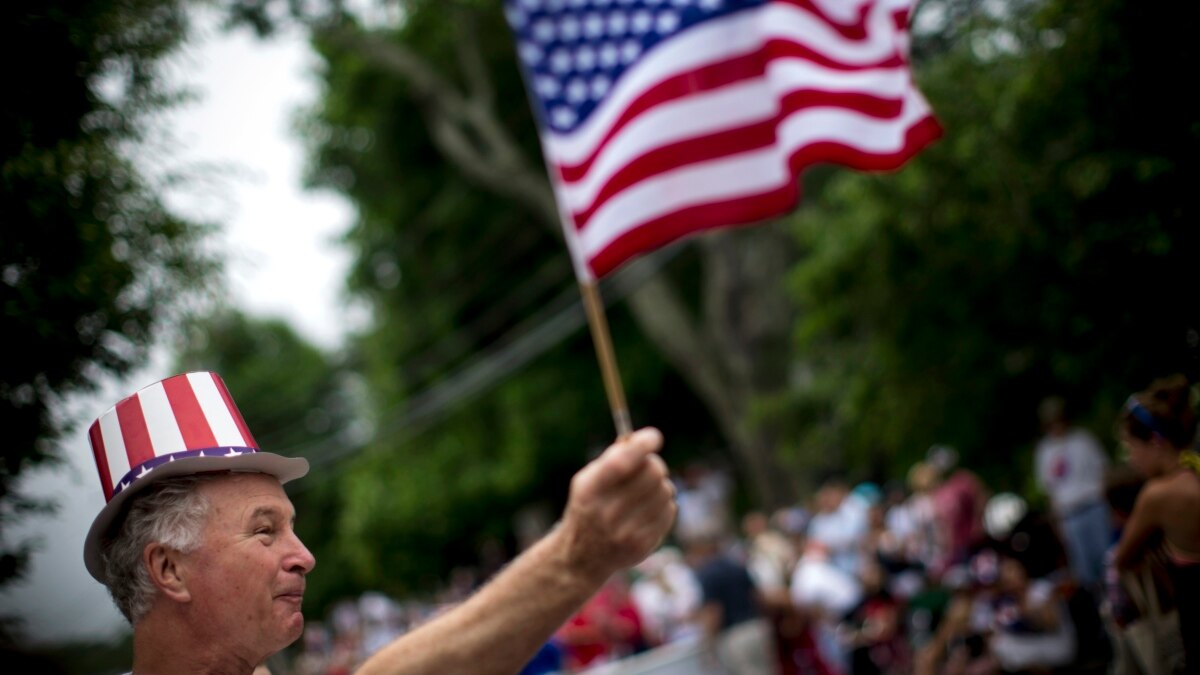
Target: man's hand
(620, 508)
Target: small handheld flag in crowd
(662, 118)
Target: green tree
(91, 261)
(1044, 246)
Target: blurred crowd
(931, 573)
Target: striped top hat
(183, 425)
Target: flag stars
(560, 61)
(609, 55)
(667, 22)
(546, 86)
(630, 50)
(516, 17)
(562, 117)
(585, 58)
(600, 86)
(530, 53)
(543, 30)
(642, 22)
(618, 23)
(577, 49)
(593, 25)
(577, 91)
(568, 28)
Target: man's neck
(162, 646)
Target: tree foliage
(91, 261)
(1043, 246)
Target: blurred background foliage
(1045, 245)
(92, 263)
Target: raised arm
(620, 507)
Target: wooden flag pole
(608, 360)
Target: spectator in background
(839, 524)
(1031, 628)
(667, 595)
(877, 641)
(1158, 426)
(730, 614)
(1069, 465)
(769, 555)
(702, 495)
(607, 627)
(959, 499)
(825, 592)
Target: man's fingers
(623, 459)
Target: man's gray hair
(172, 513)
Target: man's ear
(166, 569)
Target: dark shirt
(728, 584)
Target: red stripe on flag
(916, 138)
(233, 411)
(752, 208)
(101, 454)
(138, 446)
(662, 231)
(729, 142)
(193, 425)
(707, 78)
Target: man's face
(247, 577)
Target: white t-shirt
(817, 583)
(1070, 469)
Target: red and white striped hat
(182, 425)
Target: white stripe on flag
(114, 446)
(717, 42)
(165, 436)
(745, 174)
(215, 411)
(739, 104)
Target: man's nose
(301, 559)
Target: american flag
(659, 118)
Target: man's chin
(293, 627)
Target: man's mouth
(291, 596)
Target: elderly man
(196, 544)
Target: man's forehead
(248, 494)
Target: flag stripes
(193, 424)
(712, 122)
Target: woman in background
(1158, 426)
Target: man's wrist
(578, 564)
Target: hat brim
(283, 468)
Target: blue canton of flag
(575, 50)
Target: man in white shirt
(1070, 466)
